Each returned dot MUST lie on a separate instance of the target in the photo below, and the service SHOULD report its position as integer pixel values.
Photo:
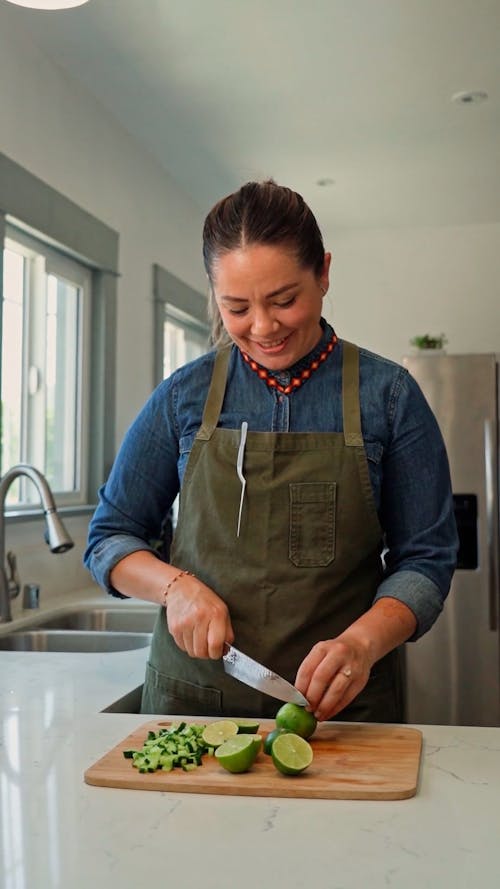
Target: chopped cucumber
(180, 746)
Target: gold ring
(347, 672)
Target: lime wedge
(247, 726)
(215, 733)
(291, 754)
(238, 753)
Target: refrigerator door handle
(491, 484)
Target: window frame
(184, 304)
(78, 274)
(30, 205)
(189, 308)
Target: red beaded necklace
(295, 382)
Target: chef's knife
(259, 677)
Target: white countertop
(59, 833)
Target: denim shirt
(406, 456)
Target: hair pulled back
(259, 213)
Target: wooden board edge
(291, 789)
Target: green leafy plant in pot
(428, 342)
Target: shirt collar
(326, 335)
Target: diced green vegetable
(180, 746)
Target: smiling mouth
(275, 344)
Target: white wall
(57, 575)
(57, 131)
(387, 285)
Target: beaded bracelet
(167, 588)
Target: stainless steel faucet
(56, 535)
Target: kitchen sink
(75, 641)
(119, 620)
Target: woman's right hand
(198, 619)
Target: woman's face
(269, 304)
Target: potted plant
(431, 345)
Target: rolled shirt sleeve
(419, 593)
(139, 492)
(416, 508)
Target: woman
(316, 525)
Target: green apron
(305, 565)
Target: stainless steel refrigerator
(452, 674)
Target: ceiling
(356, 91)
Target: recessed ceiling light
(325, 182)
(470, 97)
(48, 4)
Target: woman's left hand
(333, 673)
(336, 670)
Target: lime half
(238, 753)
(215, 733)
(271, 737)
(257, 742)
(247, 726)
(291, 754)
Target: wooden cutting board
(351, 761)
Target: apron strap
(215, 397)
(350, 395)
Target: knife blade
(251, 673)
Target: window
(184, 339)
(58, 292)
(181, 323)
(181, 334)
(45, 379)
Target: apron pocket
(312, 523)
(167, 695)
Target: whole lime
(296, 719)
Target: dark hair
(259, 213)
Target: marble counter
(59, 833)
